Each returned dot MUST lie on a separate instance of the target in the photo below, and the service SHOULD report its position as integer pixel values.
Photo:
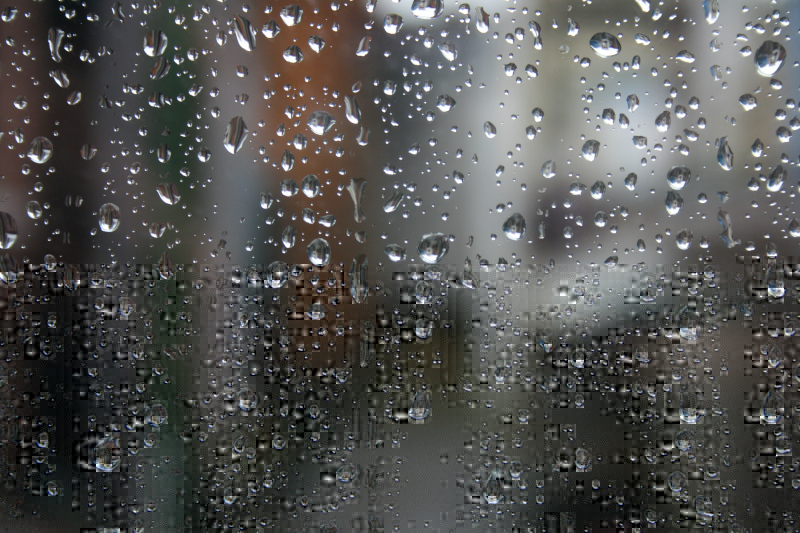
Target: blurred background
(556, 288)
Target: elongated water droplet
(364, 46)
(769, 58)
(168, 192)
(725, 154)
(359, 286)
(41, 150)
(319, 252)
(481, 20)
(777, 178)
(155, 43)
(160, 69)
(8, 231)
(109, 217)
(245, 33)
(685, 56)
(772, 408)
(493, 490)
(54, 38)
(310, 186)
(433, 247)
(711, 9)
(393, 202)
(420, 407)
(727, 229)
(351, 110)
(515, 227)
(287, 160)
(235, 134)
(604, 44)
(289, 237)
(356, 189)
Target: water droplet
(663, 121)
(427, 9)
(276, 275)
(690, 412)
(590, 150)
(777, 178)
(727, 229)
(291, 15)
(168, 192)
(293, 54)
(8, 231)
(346, 473)
(54, 38)
(270, 29)
(392, 23)
(678, 177)
(684, 440)
(356, 189)
(515, 227)
(319, 252)
(316, 43)
(673, 203)
(320, 122)
(684, 239)
(351, 110)
(711, 10)
(155, 43)
(107, 454)
(248, 400)
(448, 50)
(493, 490)
(364, 46)
(445, 103)
(604, 44)
(725, 154)
(420, 407)
(359, 287)
(677, 481)
(34, 210)
(395, 252)
(235, 134)
(393, 202)
(311, 186)
(769, 58)
(245, 33)
(583, 459)
(549, 169)
(41, 150)
(157, 415)
(109, 217)
(481, 20)
(489, 129)
(289, 237)
(433, 247)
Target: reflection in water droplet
(245, 33)
(320, 122)
(684, 239)
(392, 23)
(725, 154)
(711, 9)
(41, 150)
(769, 58)
(168, 192)
(235, 134)
(590, 150)
(515, 227)
(433, 247)
(109, 217)
(673, 203)
(54, 38)
(604, 44)
(678, 177)
(427, 9)
(8, 231)
(395, 252)
(155, 43)
(319, 252)
(291, 15)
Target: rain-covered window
(404, 266)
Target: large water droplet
(107, 454)
(320, 122)
(359, 287)
(772, 408)
(289, 237)
(515, 227)
(711, 9)
(392, 23)
(689, 411)
(481, 20)
(590, 150)
(678, 177)
(395, 252)
(427, 9)
(663, 121)
(245, 33)
(276, 275)
(351, 110)
(684, 239)
(293, 54)
(725, 154)
(8, 231)
(604, 44)
(319, 252)
(673, 203)
(777, 178)
(54, 38)
(433, 247)
(109, 217)
(420, 407)
(235, 134)
(155, 43)
(41, 150)
(493, 490)
(769, 58)
(393, 202)
(356, 189)
(291, 15)
(168, 192)
(311, 186)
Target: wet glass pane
(399, 266)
